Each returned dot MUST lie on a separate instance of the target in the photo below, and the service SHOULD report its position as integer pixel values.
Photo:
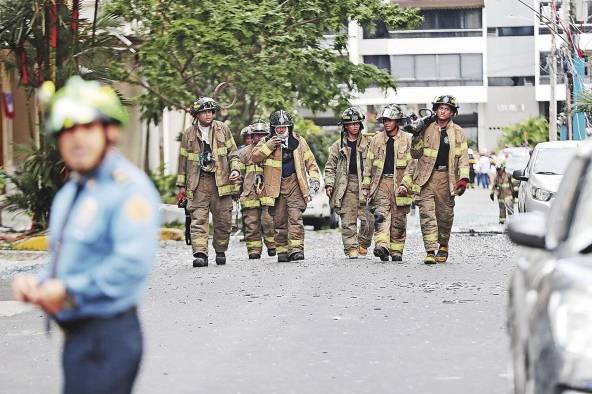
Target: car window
(580, 232)
(553, 161)
(561, 212)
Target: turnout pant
(350, 212)
(255, 228)
(102, 355)
(287, 217)
(267, 228)
(505, 205)
(205, 200)
(391, 220)
(436, 210)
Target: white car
(318, 213)
(541, 178)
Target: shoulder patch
(138, 209)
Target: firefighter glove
(461, 187)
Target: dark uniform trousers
(102, 355)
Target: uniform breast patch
(138, 209)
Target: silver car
(541, 178)
(550, 295)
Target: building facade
(490, 54)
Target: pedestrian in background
(484, 164)
(503, 190)
(103, 238)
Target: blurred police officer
(388, 162)
(343, 176)
(290, 175)
(442, 173)
(103, 240)
(258, 223)
(208, 177)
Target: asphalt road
(325, 325)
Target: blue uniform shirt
(110, 239)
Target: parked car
(542, 176)
(550, 295)
(318, 213)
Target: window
(511, 81)
(545, 69)
(472, 66)
(512, 31)
(438, 70)
(436, 23)
(451, 19)
(381, 61)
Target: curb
(40, 243)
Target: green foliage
(165, 184)
(584, 103)
(271, 53)
(318, 140)
(533, 130)
(37, 183)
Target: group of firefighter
(370, 179)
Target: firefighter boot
(362, 251)
(442, 254)
(397, 256)
(254, 256)
(352, 253)
(382, 252)
(282, 258)
(201, 260)
(271, 252)
(430, 258)
(295, 256)
(220, 258)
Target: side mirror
(519, 174)
(529, 230)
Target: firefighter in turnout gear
(290, 174)
(503, 190)
(442, 173)
(256, 218)
(388, 161)
(343, 173)
(209, 175)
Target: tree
(532, 130)
(268, 53)
(47, 40)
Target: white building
(490, 54)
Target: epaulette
(119, 175)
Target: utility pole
(553, 76)
(568, 74)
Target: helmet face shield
(393, 112)
(259, 128)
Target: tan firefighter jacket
(502, 187)
(249, 197)
(304, 161)
(405, 165)
(425, 148)
(225, 158)
(337, 167)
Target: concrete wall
(504, 13)
(510, 56)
